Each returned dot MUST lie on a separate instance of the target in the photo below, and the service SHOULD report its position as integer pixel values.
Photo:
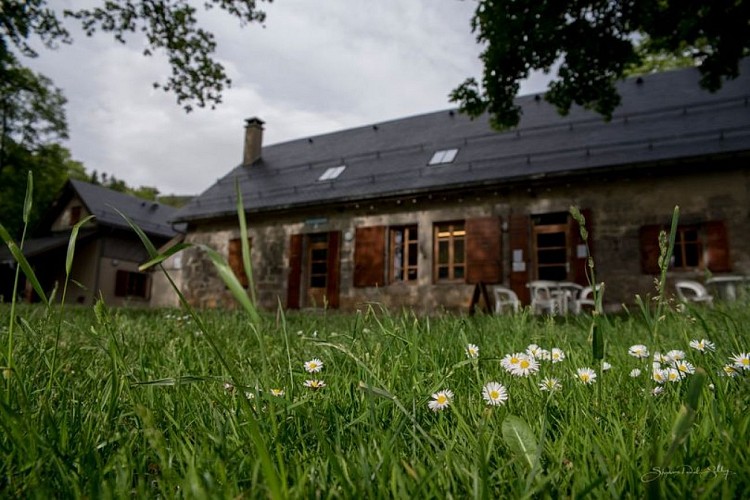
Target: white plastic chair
(542, 298)
(692, 291)
(505, 299)
(586, 298)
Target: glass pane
(443, 252)
(692, 255)
(554, 273)
(458, 251)
(413, 254)
(318, 238)
(442, 273)
(412, 274)
(458, 272)
(318, 268)
(556, 256)
(550, 240)
(398, 236)
(317, 281)
(690, 235)
(319, 254)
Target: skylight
(332, 173)
(443, 156)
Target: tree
(168, 25)
(595, 43)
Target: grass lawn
(120, 403)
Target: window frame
(410, 243)
(456, 232)
(443, 156)
(127, 287)
(681, 245)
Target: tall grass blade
(683, 423)
(72, 244)
(28, 198)
(245, 243)
(17, 253)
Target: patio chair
(692, 291)
(586, 298)
(505, 299)
(542, 297)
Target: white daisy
(525, 367)
(659, 376)
(635, 372)
(472, 351)
(673, 374)
(494, 394)
(586, 375)
(557, 355)
(313, 366)
(638, 351)
(741, 360)
(685, 367)
(660, 358)
(550, 384)
(510, 361)
(314, 384)
(533, 350)
(441, 400)
(702, 345)
(606, 366)
(676, 355)
(544, 355)
(730, 371)
(277, 392)
(657, 390)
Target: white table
(727, 285)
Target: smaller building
(108, 251)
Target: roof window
(443, 156)
(332, 173)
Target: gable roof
(152, 217)
(663, 117)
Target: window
(696, 246)
(131, 284)
(332, 173)
(443, 156)
(235, 260)
(404, 253)
(449, 251)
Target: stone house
(414, 212)
(108, 252)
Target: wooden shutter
(484, 250)
(235, 261)
(717, 247)
(649, 246)
(579, 265)
(518, 232)
(294, 280)
(121, 283)
(369, 256)
(332, 283)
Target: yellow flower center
(525, 364)
(585, 377)
(494, 394)
(442, 399)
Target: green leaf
(164, 256)
(244, 242)
(25, 267)
(72, 244)
(598, 341)
(28, 200)
(520, 439)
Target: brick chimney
(253, 140)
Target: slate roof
(663, 116)
(152, 217)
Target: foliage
(595, 43)
(170, 26)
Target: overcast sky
(317, 66)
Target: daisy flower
(525, 367)
(510, 361)
(685, 367)
(606, 366)
(544, 355)
(249, 395)
(550, 384)
(314, 384)
(660, 358)
(586, 375)
(673, 374)
(533, 350)
(313, 366)
(657, 390)
(676, 355)
(702, 345)
(277, 392)
(441, 400)
(472, 351)
(635, 372)
(638, 351)
(741, 360)
(730, 371)
(493, 393)
(557, 355)
(659, 376)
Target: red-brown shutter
(484, 250)
(294, 280)
(518, 233)
(579, 265)
(649, 246)
(332, 283)
(235, 261)
(717, 247)
(369, 256)
(121, 283)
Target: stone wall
(619, 204)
